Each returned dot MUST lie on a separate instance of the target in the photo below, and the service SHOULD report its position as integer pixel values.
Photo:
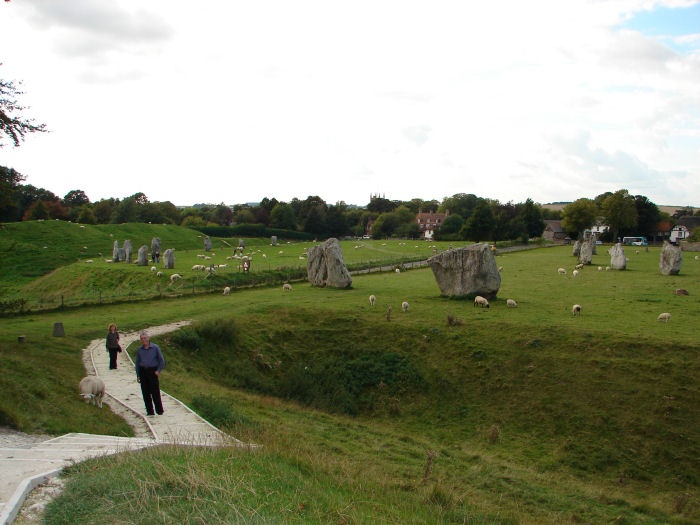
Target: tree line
(469, 217)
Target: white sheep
(579, 266)
(664, 317)
(404, 306)
(398, 270)
(159, 274)
(574, 273)
(481, 301)
(576, 309)
(287, 287)
(600, 268)
(92, 389)
(174, 277)
(510, 303)
(227, 290)
(372, 299)
(561, 271)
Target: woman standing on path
(112, 344)
(149, 364)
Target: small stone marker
(58, 330)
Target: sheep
(681, 291)
(404, 306)
(287, 287)
(159, 274)
(574, 273)
(92, 389)
(664, 317)
(174, 277)
(227, 290)
(579, 266)
(154, 269)
(398, 270)
(561, 271)
(510, 303)
(600, 268)
(482, 301)
(500, 268)
(607, 268)
(372, 299)
(576, 309)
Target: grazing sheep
(607, 268)
(574, 273)
(92, 389)
(398, 270)
(561, 271)
(404, 306)
(154, 269)
(576, 309)
(664, 317)
(500, 268)
(681, 291)
(600, 268)
(174, 277)
(510, 303)
(481, 301)
(579, 266)
(372, 299)
(227, 290)
(287, 287)
(159, 274)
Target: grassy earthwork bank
(444, 414)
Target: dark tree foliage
(13, 126)
(461, 204)
(480, 225)
(648, 215)
(9, 184)
(531, 215)
(381, 205)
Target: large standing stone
(273, 240)
(127, 250)
(467, 272)
(326, 267)
(142, 259)
(577, 249)
(155, 249)
(618, 261)
(115, 252)
(169, 259)
(207, 244)
(671, 259)
(585, 255)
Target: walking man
(149, 364)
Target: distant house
(662, 232)
(554, 232)
(684, 228)
(430, 222)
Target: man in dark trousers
(149, 364)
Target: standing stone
(671, 259)
(586, 252)
(155, 249)
(577, 248)
(466, 272)
(127, 250)
(326, 267)
(273, 240)
(142, 259)
(58, 330)
(207, 244)
(241, 244)
(169, 259)
(115, 252)
(618, 261)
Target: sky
(231, 101)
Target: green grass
(535, 416)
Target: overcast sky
(232, 101)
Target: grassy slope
(597, 416)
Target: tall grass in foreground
(525, 415)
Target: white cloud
(235, 101)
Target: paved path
(24, 465)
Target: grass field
(524, 415)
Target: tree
(579, 216)
(480, 225)
(9, 183)
(12, 125)
(450, 226)
(531, 215)
(75, 199)
(461, 204)
(336, 220)
(620, 212)
(282, 216)
(648, 215)
(315, 221)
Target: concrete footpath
(24, 466)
